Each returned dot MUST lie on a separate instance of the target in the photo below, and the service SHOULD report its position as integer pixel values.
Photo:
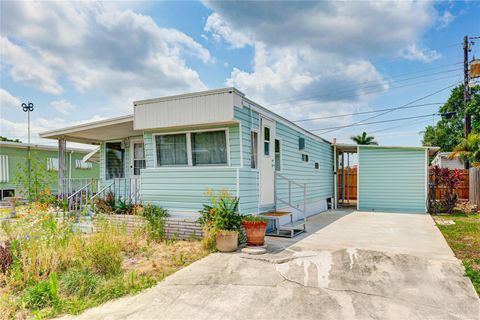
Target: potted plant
(255, 229)
(221, 222)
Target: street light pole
(28, 108)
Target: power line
(375, 122)
(366, 93)
(401, 57)
(367, 112)
(400, 126)
(296, 98)
(394, 109)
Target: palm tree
(468, 149)
(364, 139)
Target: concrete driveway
(351, 265)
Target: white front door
(267, 162)
(137, 157)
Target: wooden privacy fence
(475, 186)
(461, 190)
(350, 183)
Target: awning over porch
(96, 132)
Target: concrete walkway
(351, 265)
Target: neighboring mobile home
(442, 160)
(173, 149)
(12, 154)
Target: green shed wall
(392, 179)
(18, 155)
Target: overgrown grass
(56, 270)
(464, 239)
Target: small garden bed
(464, 238)
(49, 269)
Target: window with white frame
(52, 164)
(115, 160)
(80, 164)
(192, 148)
(4, 168)
(278, 156)
(254, 149)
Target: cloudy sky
(84, 61)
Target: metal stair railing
(78, 199)
(292, 183)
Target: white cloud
(63, 106)
(25, 66)
(412, 52)
(18, 130)
(313, 59)
(8, 101)
(100, 49)
(221, 30)
(445, 19)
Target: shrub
(221, 214)
(450, 179)
(156, 221)
(103, 253)
(80, 282)
(6, 257)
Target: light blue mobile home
(173, 149)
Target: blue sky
(86, 61)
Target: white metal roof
(21, 145)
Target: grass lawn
(464, 239)
(55, 270)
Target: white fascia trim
(189, 95)
(86, 126)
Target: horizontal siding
(392, 179)
(249, 196)
(17, 156)
(319, 181)
(184, 189)
(249, 120)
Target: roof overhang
(353, 148)
(96, 132)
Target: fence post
(474, 188)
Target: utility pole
(466, 93)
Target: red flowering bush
(450, 180)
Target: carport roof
(96, 132)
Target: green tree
(468, 149)
(2, 138)
(449, 131)
(39, 177)
(364, 139)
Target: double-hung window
(209, 148)
(192, 149)
(171, 150)
(115, 160)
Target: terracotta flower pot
(255, 232)
(227, 242)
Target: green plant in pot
(255, 228)
(221, 221)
